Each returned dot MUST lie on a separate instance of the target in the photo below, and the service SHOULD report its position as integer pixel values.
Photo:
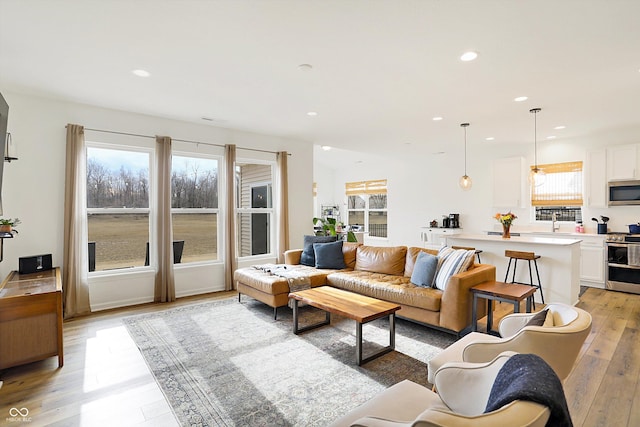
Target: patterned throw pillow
(308, 256)
(452, 262)
(424, 270)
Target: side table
(500, 291)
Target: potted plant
(7, 224)
(329, 228)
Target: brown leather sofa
(383, 273)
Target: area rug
(229, 363)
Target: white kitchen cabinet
(592, 262)
(596, 179)
(592, 257)
(509, 183)
(435, 238)
(622, 162)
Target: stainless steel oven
(623, 262)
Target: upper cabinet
(622, 162)
(509, 183)
(596, 179)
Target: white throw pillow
(454, 261)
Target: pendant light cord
(465, 151)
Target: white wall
(423, 186)
(33, 186)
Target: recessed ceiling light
(468, 56)
(359, 161)
(551, 137)
(312, 113)
(208, 119)
(559, 127)
(489, 138)
(141, 73)
(521, 98)
(436, 118)
(438, 153)
(305, 67)
(325, 147)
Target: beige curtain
(231, 262)
(75, 263)
(165, 288)
(283, 206)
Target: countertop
(521, 239)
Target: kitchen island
(559, 264)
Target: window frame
(152, 195)
(570, 204)
(217, 211)
(272, 211)
(367, 189)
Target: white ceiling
(381, 68)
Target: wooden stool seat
(466, 248)
(526, 256)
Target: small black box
(35, 263)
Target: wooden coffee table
(500, 291)
(360, 308)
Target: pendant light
(536, 175)
(465, 180)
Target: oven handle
(618, 245)
(627, 266)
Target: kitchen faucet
(554, 222)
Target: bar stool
(477, 251)
(528, 256)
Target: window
(560, 193)
(117, 206)
(255, 208)
(367, 206)
(194, 208)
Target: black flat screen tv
(4, 115)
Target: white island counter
(559, 264)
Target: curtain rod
(179, 140)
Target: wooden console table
(30, 318)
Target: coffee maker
(454, 220)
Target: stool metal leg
(531, 281)
(539, 283)
(506, 275)
(515, 265)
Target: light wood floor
(105, 380)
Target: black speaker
(35, 263)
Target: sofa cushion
(451, 262)
(412, 256)
(424, 271)
(329, 255)
(349, 250)
(392, 288)
(308, 256)
(384, 260)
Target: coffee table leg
(489, 315)
(297, 330)
(295, 316)
(392, 342)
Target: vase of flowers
(505, 220)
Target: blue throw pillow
(329, 255)
(424, 270)
(308, 256)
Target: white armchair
(464, 390)
(558, 342)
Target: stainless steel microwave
(624, 193)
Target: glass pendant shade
(537, 177)
(465, 182)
